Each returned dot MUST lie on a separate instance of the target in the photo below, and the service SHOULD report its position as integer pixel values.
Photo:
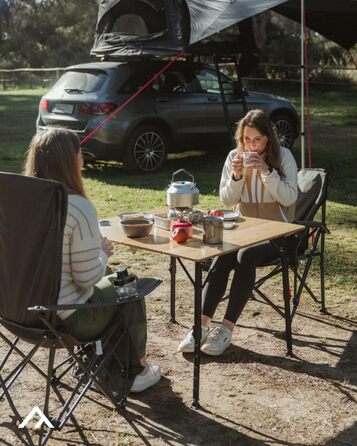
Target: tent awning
(212, 16)
(334, 19)
(165, 27)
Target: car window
(176, 81)
(138, 80)
(208, 80)
(80, 82)
(169, 82)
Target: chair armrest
(144, 286)
(312, 224)
(49, 308)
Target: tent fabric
(175, 26)
(212, 16)
(166, 27)
(334, 19)
(162, 20)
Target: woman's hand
(107, 246)
(257, 162)
(237, 166)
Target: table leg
(197, 335)
(286, 295)
(172, 270)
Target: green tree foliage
(283, 46)
(50, 33)
(47, 33)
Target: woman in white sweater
(56, 154)
(267, 188)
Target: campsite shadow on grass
(347, 437)
(11, 430)
(164, 416)
(337, 374)
(171, 420)
(318, 370)
(205, 167)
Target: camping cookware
(212, 230)
(182, 194)
(137, 227)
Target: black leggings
(244, 264)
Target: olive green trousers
(87, 324)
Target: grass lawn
(334, 135)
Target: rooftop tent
(165, 27)
(135, 27)
(334, 19)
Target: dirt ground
(251, 396)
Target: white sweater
(264, 196)
(83, 261)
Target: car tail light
(93, 108)
(85, 108)
(43, 105)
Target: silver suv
(181, 110)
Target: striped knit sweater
(262, 195)
(83, 261)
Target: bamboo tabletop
(248, 231)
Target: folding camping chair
(307, 245)
(32, 219)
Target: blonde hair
(259, 120)
(52, 154)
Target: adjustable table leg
(172, 270)
(197, 335)
(286, 295)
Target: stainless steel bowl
(137, 227)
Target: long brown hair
(52, 154)
(259, 120)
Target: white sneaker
(188, 344)
(217, 341)
(147, 378)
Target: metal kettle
(182, 194)
(212, 230)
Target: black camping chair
(304, 246)
(32, 218)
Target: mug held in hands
(246, 159)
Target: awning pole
(302, 84)
(224, 104)
(241, 89)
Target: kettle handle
(182, 170)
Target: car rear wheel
(285, 130)
(147, 150)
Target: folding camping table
(248, 231)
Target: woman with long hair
(55, 154)
(264, 187)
